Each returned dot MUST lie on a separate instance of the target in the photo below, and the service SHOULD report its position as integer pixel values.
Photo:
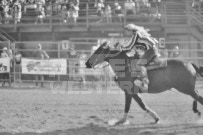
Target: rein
(97, 67)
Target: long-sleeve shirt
(139, 39)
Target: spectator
(163, 52)
(174, 52)
(195, 3)
(48, 9)
(97, 1)
(108, 14)
(41, 2)
(81, 68)
(118, 12)
(154, 11)
(145, 3)
(5, 53)
(18, 57)
(39, 54)
(17, 62)
(137, 6)
(7, 14)
(76, 2)
(1, 13)
(100, 9)
(129, 7)
(40, 12)
(17, 12)
(201, 7)
(56, 7)
(64, 14)
(30, 4)
(5, 76)
(73, 13)
(5, 11)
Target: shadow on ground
(92, 129)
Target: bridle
(100, 55)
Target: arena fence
(65, 69)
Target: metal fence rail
(77, 78)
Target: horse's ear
(116, 45)
(105, 45)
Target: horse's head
(99, 56)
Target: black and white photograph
(101, 67)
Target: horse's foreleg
(143, 106)
(194, 108)
(153, 114)
(128, 99)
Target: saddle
(156, 63)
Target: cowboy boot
(143, 83)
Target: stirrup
(144, 88)
(138, 83)
(143, 85)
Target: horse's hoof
(157, 120)
(112, 122)
(122, 122)
(115, 122)
(199, 114)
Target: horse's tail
(199, 69)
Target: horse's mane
(115, 54)
(121, 54)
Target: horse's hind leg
(194, 108)
(190, 90)
(199, 99)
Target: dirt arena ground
(42, 112)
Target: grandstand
(177, 17)
(173, 13)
